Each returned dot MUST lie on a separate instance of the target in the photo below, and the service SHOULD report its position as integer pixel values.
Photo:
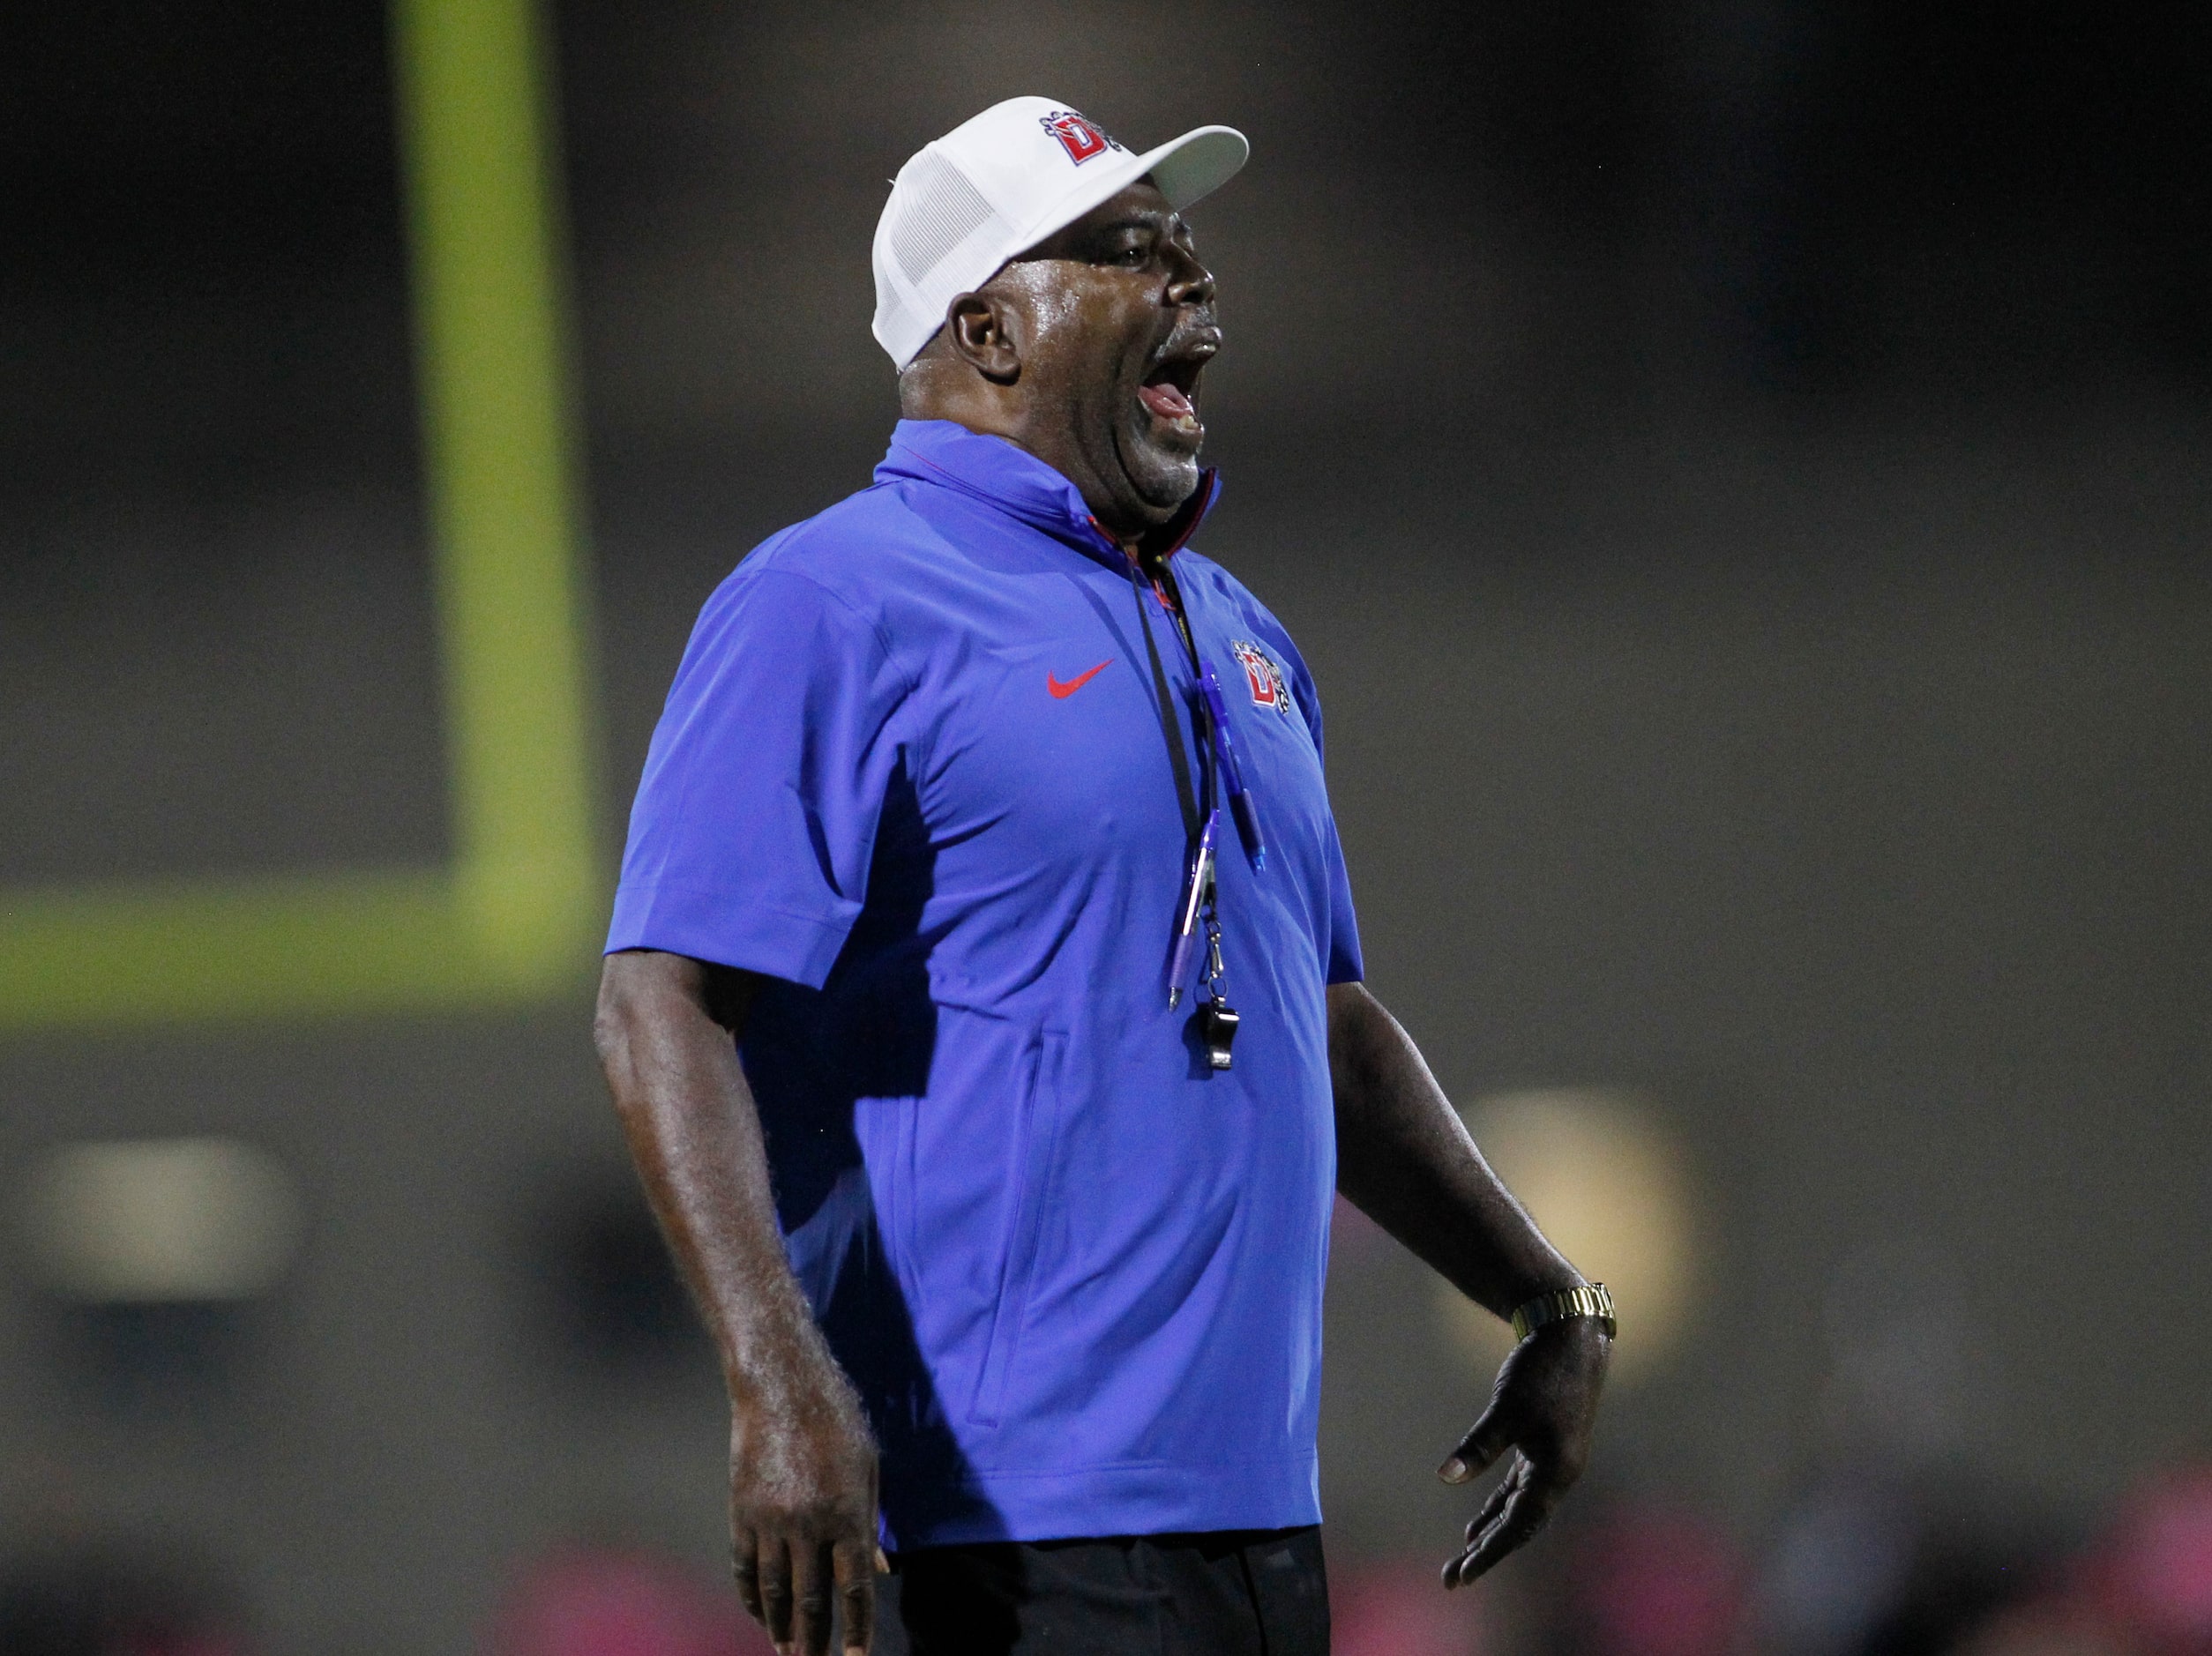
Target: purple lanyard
(1240, 800)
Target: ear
(984, 332)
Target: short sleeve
(1344, 965)
(754, 824)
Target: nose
(1189, 282)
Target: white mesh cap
(999, 183)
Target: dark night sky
(1822, 202)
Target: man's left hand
(1543, 1408)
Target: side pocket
(1036, 1141)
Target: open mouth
(1170, 391)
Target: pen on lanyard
(1193, 899)
(1240, 803)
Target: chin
(1163, 473)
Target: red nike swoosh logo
(1062, 689)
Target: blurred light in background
(1654, 1582)
(1397, 1610)
(594, 1601)
(1607, 1185)
(2156, 1579)
(158, 1221)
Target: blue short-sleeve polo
(913, 771)
(756, 814)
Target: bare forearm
(802, 1462)
(695, 1135)
(1405, 1159)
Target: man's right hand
(802, 1465)
(803, 1508)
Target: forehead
(1140, 202)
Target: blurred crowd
(1860, 1566)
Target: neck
(986, 410)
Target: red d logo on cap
(1078, 137)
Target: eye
(1132, 258)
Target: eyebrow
(1169, 223)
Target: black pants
(1230, 1593)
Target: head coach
(983, 1002)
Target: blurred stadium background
(1739, 470)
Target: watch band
(1562, 1303)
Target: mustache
(1197, 334)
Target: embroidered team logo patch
(1263, 675)
(1081, 139)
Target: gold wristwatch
(1562, 1303)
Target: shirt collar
(1003, 475)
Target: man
(977, 798)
